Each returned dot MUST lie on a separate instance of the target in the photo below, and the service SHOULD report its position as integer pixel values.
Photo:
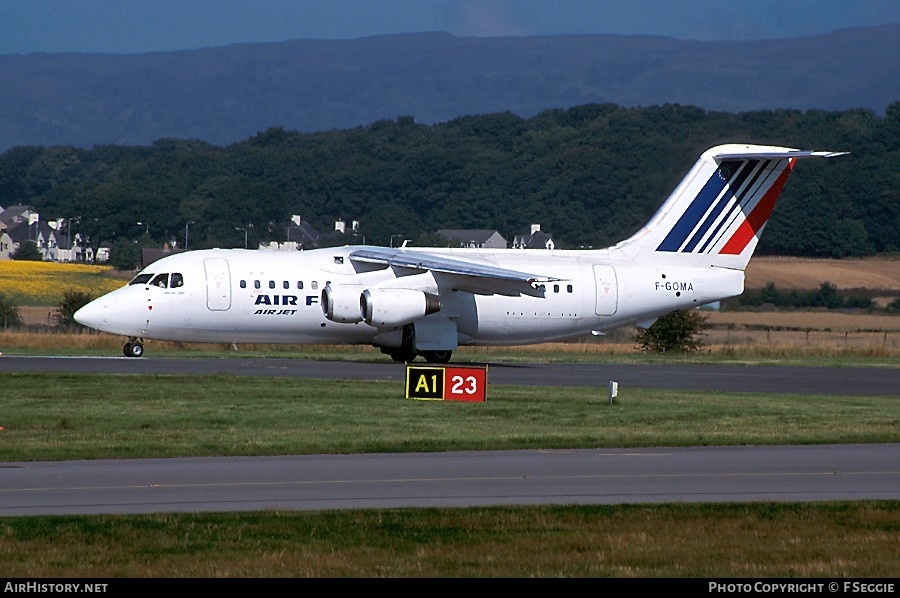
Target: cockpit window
(141, 279)
(160, 280)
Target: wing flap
(462, 275)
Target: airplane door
(218, 284)
(607, 290)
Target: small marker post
(613, 390)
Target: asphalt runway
(459, 479)
(453, 479)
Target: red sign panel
(465, 384)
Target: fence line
(860, 339)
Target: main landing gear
(133, 348)
(437, 356)
(403, 356)
(406, 352)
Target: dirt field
(32, 315)
(806, 274)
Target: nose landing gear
(133, 348)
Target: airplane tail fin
(715, 216)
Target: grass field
(66, 416)
(91, 416)
(745, 542)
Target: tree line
(590, 175)
(826, 296)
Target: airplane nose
(90, 315)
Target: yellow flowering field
(45, 283)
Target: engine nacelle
(342, 304)
(396, 307)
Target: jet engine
(342, 303)
(396, 307)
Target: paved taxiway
(456, 479)
(803, 380)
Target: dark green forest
(590, 175)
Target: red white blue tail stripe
(715, 215)
(730, 209)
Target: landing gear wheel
(133, 348)
(406, 352)
(437, 356)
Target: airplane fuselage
(262, 296)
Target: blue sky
(134, 26)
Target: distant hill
(226, 94)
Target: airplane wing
(464, 275)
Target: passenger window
(314, 285)
(300, 284)
(160, 280)
(141, 279)
(271, 284)
(556, 288)
(569, 288)
(243, 284)
(286, 285)
(256, 284)
(177, 280)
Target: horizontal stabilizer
(790, 153)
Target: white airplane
(428, 301)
